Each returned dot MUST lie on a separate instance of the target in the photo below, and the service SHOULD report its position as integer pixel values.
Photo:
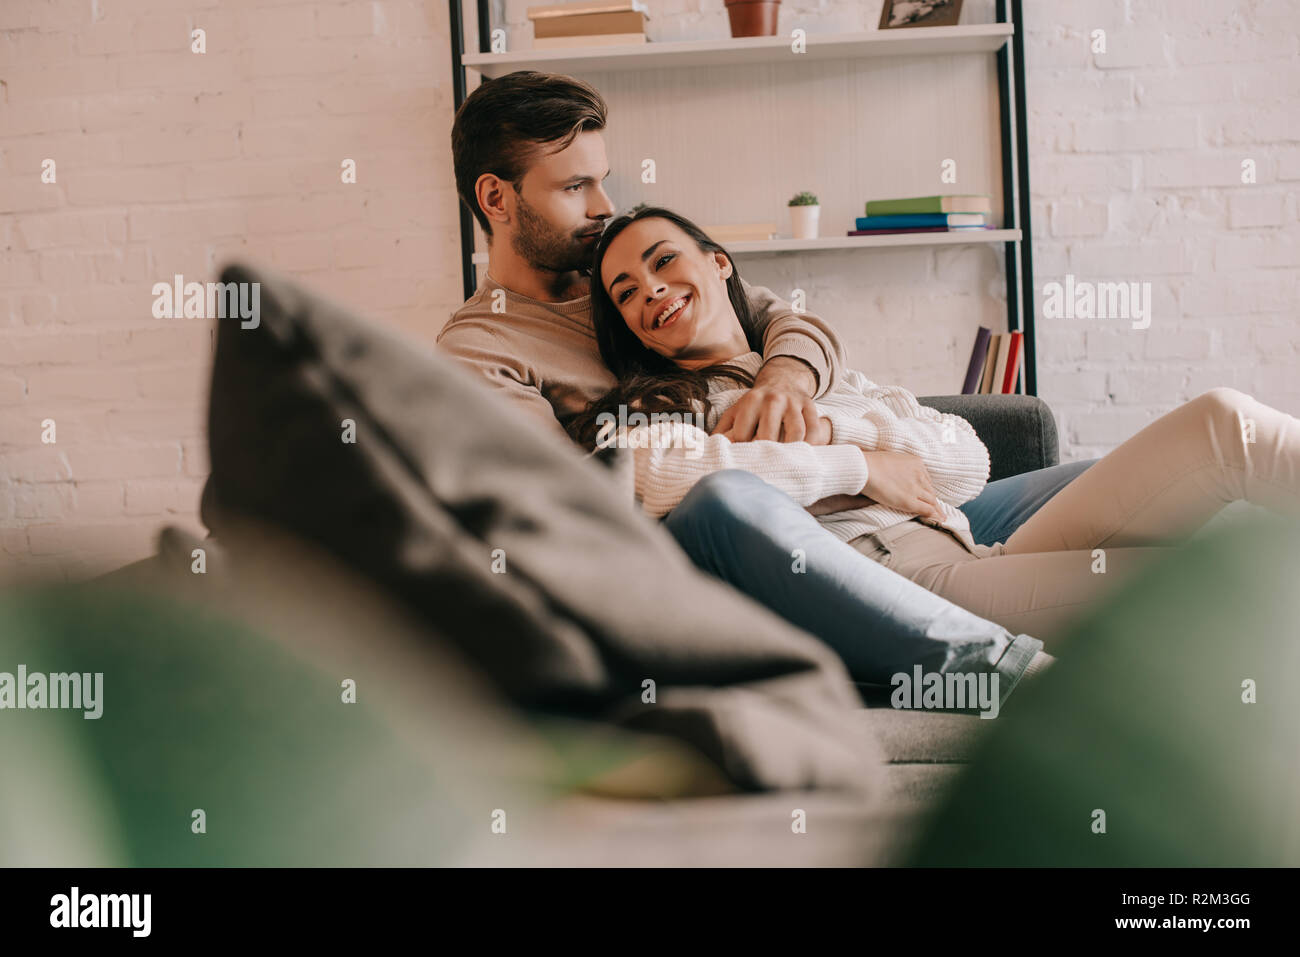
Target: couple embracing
(756, 443)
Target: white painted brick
(1138, 134)
(113, 462)
(180, 146)
(1079, 219)
(1201, 169)
(1053, 175)
(47, 463)
(13, 390)
(1276, 340)
(1129, 48)
(1177, 343)
(344, 20)
(1103, 428)
(98, 500)
(1143, 385)
(71, 229)
(1235, 126)
(1247, 210)
(154, 497)
(1077, 385)
(1190, 86)
(30, 348)
(26, 193)
(1141, 259)
(1214, 298)
(1242, 47)
(1109, 345)
(207, 72)
(1252, 252)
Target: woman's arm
(670, 457)
(948, 445)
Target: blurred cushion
(522, 554)
(1139, 748)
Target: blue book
(950, 220)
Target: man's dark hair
(505, 124)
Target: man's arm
(797, 335)
(474, 349)
(803, 359)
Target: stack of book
(997, 363)
(740, 232)
(588, 24)
(924, 214)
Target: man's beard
(542, 246)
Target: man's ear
(491, 192)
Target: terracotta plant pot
(753, 18)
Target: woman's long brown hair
(647, 381)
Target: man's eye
(574, 186)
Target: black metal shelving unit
(1015, 168)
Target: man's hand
(778, 407)
(901, 480)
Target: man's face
(562, 206)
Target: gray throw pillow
(522, 553)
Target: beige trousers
(1147, 495)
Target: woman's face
(671, 293)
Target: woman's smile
(666, 314)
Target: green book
(929, 204)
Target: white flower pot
(803, 221)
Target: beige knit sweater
(667, 458)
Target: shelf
(914, 41)
(858, 242)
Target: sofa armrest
(1018, 430)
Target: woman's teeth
(672, 311)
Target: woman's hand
(900, 480)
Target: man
(530, 161)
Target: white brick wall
(1148, 187)
(173, 162)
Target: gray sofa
(921, 754)
(404, 520)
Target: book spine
(977, 356)
(905, 229)
(954, 220)
(929, 204)
(1000, 366)
(986, 381)
(895, 222)
(1013, 362)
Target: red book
(1013, 362)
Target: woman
(670, 322)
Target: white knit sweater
(668, 458)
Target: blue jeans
(738, 528)
(1005, 504)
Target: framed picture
(919, 13)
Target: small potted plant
(804, 213)
(753, 18)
